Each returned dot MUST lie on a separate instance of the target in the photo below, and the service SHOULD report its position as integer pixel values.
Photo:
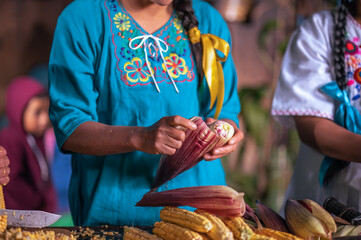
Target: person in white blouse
(318, 93)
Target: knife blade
(29, 218)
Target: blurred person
(319, 93)
(30, 188)
(60, 163)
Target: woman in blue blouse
(122, 77)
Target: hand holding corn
(165, 136)
(4, 167)
(230, 146)
(204, 139)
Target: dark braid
(340, 71)
(339, 45)
(185, 13)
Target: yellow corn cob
(219, 230)
(276, 234)
(204, 236)
(170, 231)
(133, 233)
(262, 237)
(240, 229)
(2, 200)
(3, 218)
(186, 219)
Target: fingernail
(194, 126)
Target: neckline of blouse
(157, 33)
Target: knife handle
(333, 206)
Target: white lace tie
(162, 49)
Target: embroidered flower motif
(357, 75)
(137, 70)
(176, 65)
(351, 48)
(178, 25)
(353, 61)
(122, 21)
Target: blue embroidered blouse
(104, 67)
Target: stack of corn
(177, 223)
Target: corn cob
(347, 230)
(3, 218)
(219, 200)
(240, 229)
(197, 143)
(262, 237)
(276, 234)
(204, 236)
(133, 233)
(185, 218)
(306, 219)
(170, 231)
(219, 231)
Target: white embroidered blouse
(307, 66)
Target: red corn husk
(219, 200)
(197, 143)
(270, 218)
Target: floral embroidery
(178, 25)
(353, 66)
(353, 61)
(131, 62)
(122, 22)
(357, 75)
(175, 65)
(351, 48)
(137, 71)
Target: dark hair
(340, 18)
(339, 45)
(185, 13)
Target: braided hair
(339, 42)
(340, 18)
(185, 13)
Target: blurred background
(263, 164)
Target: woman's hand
(165, 136)
(4, 167)
(227, 148)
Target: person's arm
(163, 137)
(329, 138)
(4, 167)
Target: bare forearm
(329, 138)
(94, 138)
(163, 137)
